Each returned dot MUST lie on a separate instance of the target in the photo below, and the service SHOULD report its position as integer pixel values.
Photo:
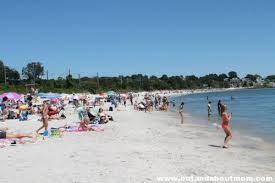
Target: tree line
(33, 72)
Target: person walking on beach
(219, 107)
(181, 112)
(45, 117)
(225, 125)
(159, 99)
(131, 98)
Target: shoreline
(268, 143)
(247, 140)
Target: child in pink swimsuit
(225, 125)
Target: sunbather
(104, 118)
(6, 135)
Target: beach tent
(11, 96)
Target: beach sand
(137, 147)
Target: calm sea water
(253, 110)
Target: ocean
(253, 110)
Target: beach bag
(55, 132)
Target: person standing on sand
(225, 125)
(181, 112)
(156, 102)
(45, 117)
(124, 102)
(131, 98)
(3, 108)
(159, 99)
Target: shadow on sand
(215, 146)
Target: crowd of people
(151, 103)
(90, 111)
(84, 106)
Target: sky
(153, 37)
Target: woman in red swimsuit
(225, 125)
(45, 117)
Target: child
(225, 125)
(84, 124)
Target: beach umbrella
(54, 99)
(111, 93)
(11, 96)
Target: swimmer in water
(209, 109)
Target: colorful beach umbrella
(55, 99)
(111, 93)
(11, 96)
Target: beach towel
(91, 128)
(51, 113)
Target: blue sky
(153, 37)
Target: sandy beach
(136, 147)
(137, 91)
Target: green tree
(251, 77)
(33, 71)
(232, 74)
(271, 77)
(69, 81)
(2, 71)
(12, 74)
(222, 77)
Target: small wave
(256, 139)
